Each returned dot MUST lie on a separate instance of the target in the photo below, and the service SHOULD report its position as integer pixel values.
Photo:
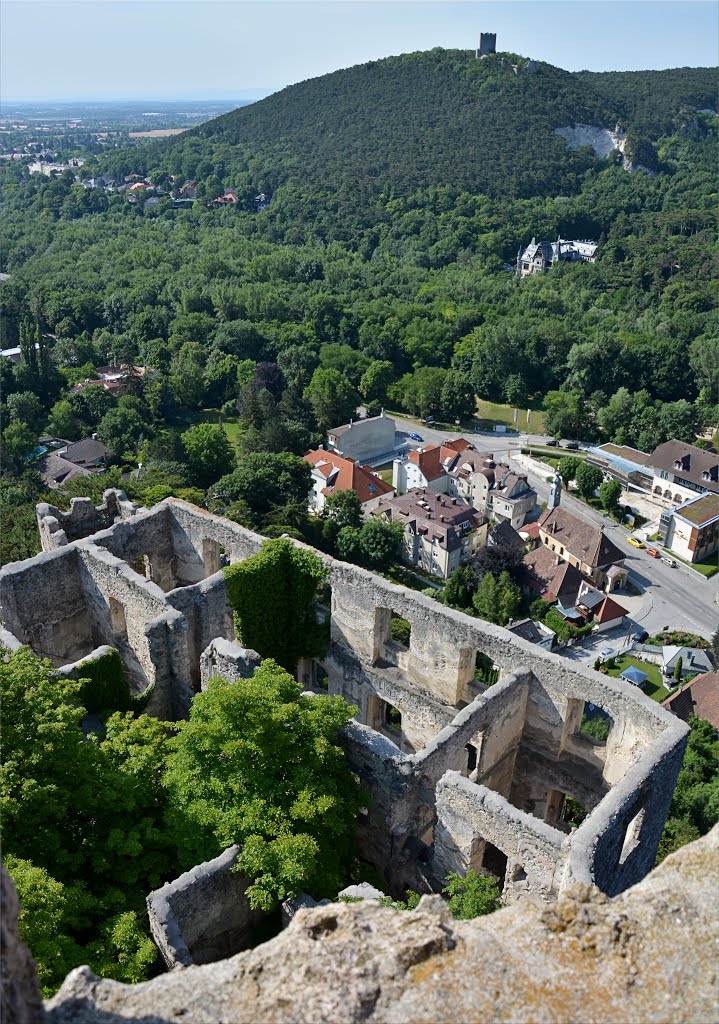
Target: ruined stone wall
(227, 660)
(58, 528)
(586, 958)
(204, 915)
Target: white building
(364, 439)
(332, 473)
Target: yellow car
(635, 542)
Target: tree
(121, 430)
(497, 600)
(510, 599)
(376, 380)
(208, 453)
(332, 397)
(678, 669)
(460, 587)
(472, 895)
(496, 559)
(609, 494)
(269, 487)
(588, 479)
(92, 403)
(25, 407)
(257, 764)
(567, 469)
(695, 804)
(458, 397)
(18, 441)
(380, 541)
(565, 414)
(273, 595)
(187, 375)
(344, 508)
(62, 421)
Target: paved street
(679, 598)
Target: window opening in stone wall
(471, 758)
(596, 724)
(141, 565)
(117, 619)
(392, 718)
(400, 630)
(573, 813)
(485, 670)
(631, 837)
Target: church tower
(555, 492)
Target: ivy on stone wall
(273, 597)
(103, 685)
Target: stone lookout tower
(487, 44)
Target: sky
(202, 49)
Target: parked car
(553, 443)
(669, 561)
(635, 542)
(641, 636)
(653, 552)
(573, 446)
(416, 437)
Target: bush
(400, 630)
(471, 896)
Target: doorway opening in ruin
(495, 862)
(472, 758)
(392, 719)
(117, 619)
(485, 671)
(141, 565)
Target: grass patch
(408, 578)
(183, 419)
(707, 566)
(385, 472)
(653, 687)
(491, 413)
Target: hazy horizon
(170, 51)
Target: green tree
(344, 508)
(609, 494)
(695, 804)
(273, 595)
(332, 397)
(208, 453)
(63, 422)
(471, 895)
(376, 380)
(565, 414)
(458, 397)
(588, 479)
(486, 599)
(25, 407)
(257, 764)
(18, 441)
(567, 469)
(380, 542)
(264, 489)
(510, 599)
(460, 588)
(121, 430)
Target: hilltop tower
(487, 44)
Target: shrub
(472, 895)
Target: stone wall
(58, 528)
(647, 956)
(227, 660)
(204, 915)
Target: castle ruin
(461, 775)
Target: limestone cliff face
(650, 955)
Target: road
(679, 598)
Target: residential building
(80, 458)
(693, 660)
(585, 546)
(116, 379)
(538, 257)
(692, 530)
(681, 471)
(332, 473)
(550, 577)
(595, 607)
(535, 632)
(699, 697)
(505, 534)
(364, 439)
(440, 533)
(457, 468)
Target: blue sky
(200, 49)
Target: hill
(444, 118)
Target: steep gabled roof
(586, 542)
(549, 576)
(699, 697)
(689, 463)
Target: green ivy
(273, 597)
(103, 685)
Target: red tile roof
(545, 577)
(347, 475)
(609, 610)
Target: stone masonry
(461, 776)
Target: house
(534, 632)
(261, 202)
(550, 577)
(364, 439)
(80, 458)
(228, 198)
(583, 545)
(538, 257)
(699, 697)
(457, 468)
(681, 471)
(596, 607)
(691, 531)
(693, 660)
(114, 378)
(332, 473)
(440, 533)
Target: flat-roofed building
(692, 530)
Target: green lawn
(653, 687)
(385, 472)
(491, 413)
(182, 419)
(707, 567)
